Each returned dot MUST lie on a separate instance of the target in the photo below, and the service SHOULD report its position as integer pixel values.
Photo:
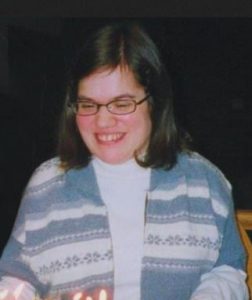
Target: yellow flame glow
(18, 290)
(77, 296)
(103, 295)
(3, 293)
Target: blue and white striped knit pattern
(61, 240)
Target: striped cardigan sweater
(61, 240)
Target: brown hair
(124, 43)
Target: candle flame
(103, 295)
(18, 290)
(77, 296)
(3, 293)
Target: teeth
(109, 137)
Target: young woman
(125, 211)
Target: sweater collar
(84, 180)
(161, 177)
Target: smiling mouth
(109, 137)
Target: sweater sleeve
(227, 280)
(15, 262)
(222, 283)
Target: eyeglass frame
(98, 106)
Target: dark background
(210, 62)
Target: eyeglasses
(117, 107)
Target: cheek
(84, 128)
(139, 121)
(83, 124)
(145, 125)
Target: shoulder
(48, 171)
(197, 166)
(199, 171)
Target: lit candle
(18, 290)
(3, 293)
(97, 294)
(14, 295)
(103, 295)
(77, 296)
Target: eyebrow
(85, 98)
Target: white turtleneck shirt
(123, 189)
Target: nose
(105, 119)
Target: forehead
(109, 82)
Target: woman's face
(114, 138)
